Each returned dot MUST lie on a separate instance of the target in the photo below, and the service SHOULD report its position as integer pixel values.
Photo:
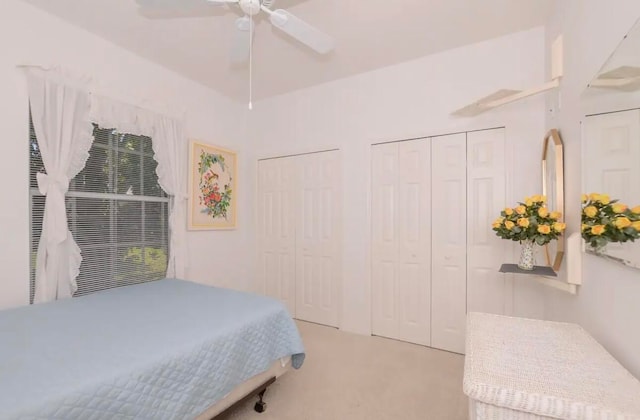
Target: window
(116, 210)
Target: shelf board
(538, 270)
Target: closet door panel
(449, 242)
(276, 230)
(486, 188)
(414, 240)
(385, 240)
(612, 153)
(319, 233)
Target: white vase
(527, 257)
(598, 250)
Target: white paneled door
(401, 241)
(449, 242)
(299, 225)
(487, 290)
(612, 150)
(318, 238)
(434, 256)
(276, 221)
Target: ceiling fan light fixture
(250, 7)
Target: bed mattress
(162, 350)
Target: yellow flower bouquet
(605, 220)
(529, 221)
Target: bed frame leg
(261, 405)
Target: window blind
(116, 210)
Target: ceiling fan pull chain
(250, 63)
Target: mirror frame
(553, 139)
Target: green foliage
(152, 262)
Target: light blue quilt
(162, 350)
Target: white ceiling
(369, 33)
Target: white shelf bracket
(507, 96)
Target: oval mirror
(553, 189)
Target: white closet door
(319, 235)
(449, 242)
(385, 240)
(486, 287)
(276, 229)
(611, 156)
(414, 281)
(401, 241)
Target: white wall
(413, 99)
(607, 303)
(28, 35)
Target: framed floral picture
(212, 187)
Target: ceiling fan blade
(181, 4)
(240, 47)
(302, 31)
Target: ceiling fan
(244, 27)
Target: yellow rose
(496, 225)
(543, 198)
(544, 229)
(619, 208)
(591, 211)
(543, 212)
(508, 211)
(597, 230)
(521, 210)
(537, 199)
(585, 198)
(523, 222)
(636, 225)
(509, 224)
(604, 199)
(555, 215)
(585, 227)
(622, 222)
(528, 201)
(594, 196)
(635, 210)
(559, 227)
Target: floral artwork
(213, 191)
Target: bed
(169, 349)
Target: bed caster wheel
(260, 406)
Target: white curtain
(60, 114)
(169, 147)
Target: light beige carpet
(353, 377)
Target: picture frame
(213, 190)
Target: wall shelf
(544, 275)
(538, 270)
(507, 96)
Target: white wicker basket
(519, 368)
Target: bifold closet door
(318, 237)
(487, 290)
(611, 155)
(401, 248)
(449, 242)
(276, 229)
